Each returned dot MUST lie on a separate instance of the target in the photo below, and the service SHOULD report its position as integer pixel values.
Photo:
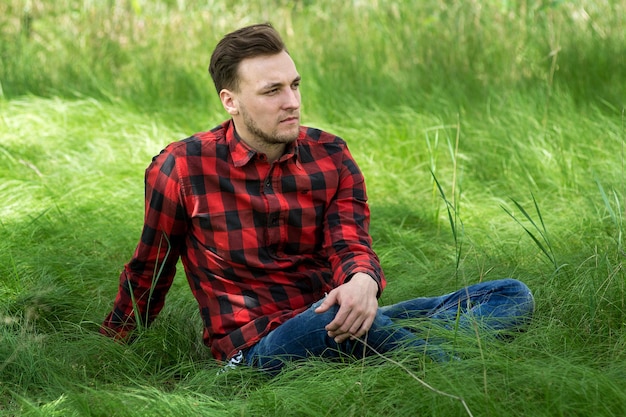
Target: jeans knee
(522, 297)
(515, 288)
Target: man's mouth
(292, 119)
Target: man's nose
(292, 99)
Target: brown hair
(247, 42)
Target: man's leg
(500, 305)
(305, 336)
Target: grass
(492, 136)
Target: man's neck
(273, 151)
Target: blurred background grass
(156, 53)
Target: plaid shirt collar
(242, 153)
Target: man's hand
(357, 307)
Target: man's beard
(273, 137)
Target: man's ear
(229, 101)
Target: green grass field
(493, 138)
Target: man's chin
(289, 136)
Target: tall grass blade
(546, 246)
(616, 215)
(453, 218)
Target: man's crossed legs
(499, 306)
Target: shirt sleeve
(146, 279)
(347, 237)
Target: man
(270, 220)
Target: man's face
(266, 107)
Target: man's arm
(146, 279)
(357, 272)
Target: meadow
(492, 136)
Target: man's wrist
(364, 278)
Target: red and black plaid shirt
(260, 242)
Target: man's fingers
(365, 326)
(328, 302)
(340, 322)
(360, 326)
(347, 324)
(356, 325)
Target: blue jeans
(498, 306)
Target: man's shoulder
(316, 144)
(194, 144)
(217, 134)
(314, 135)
